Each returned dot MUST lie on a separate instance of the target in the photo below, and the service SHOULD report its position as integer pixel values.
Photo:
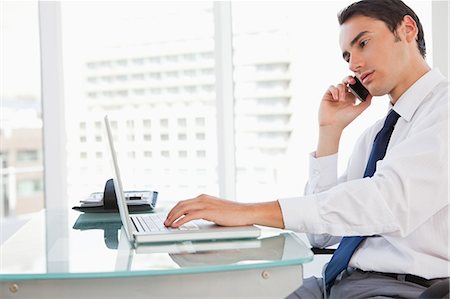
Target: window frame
(54, 140)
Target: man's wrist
(266, 213)
(329, 138)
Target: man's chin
(378, 92)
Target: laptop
(149, 228)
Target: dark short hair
(391, 12)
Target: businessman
(389, 211)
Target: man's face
(373, 53)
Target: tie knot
(391, 119)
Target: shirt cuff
(322, 171)
(301, 214)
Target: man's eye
(363, 43)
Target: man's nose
(355, 63)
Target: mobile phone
(358, 89)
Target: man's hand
(224, 212)
(337, 110)
(338, 107)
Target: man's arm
(338, 108)
(225, 212)
(331, 125)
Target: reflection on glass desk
(75, 248)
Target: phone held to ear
(358, 89)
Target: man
(390, 209)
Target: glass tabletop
(55, 245)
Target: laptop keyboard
(155, 223)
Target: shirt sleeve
(409, 186)
(322, 176)
(322, 173)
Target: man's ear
(409, 28)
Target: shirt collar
(409, 101)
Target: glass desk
(75, 255)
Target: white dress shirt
(404, 206)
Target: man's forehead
(354, 26)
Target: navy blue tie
(348, 245)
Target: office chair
(439, 290)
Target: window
(190, 89)
(189, 57)
(121, 77)
(139, 65)
(173, 90)
(155, 91)
(172, 74)
(147, 123)
(262, 134)
(154, 60)
(138, 76)
(200, 121)
(121, 62)
(276, 98)
(138, 61)
(171, 58)
(4, 160)
(200, 136)
(182, 123)
(201, 154)
(207, 56)
(164, 123)
(27, 155)
(20, 100)
(207, 88)
(113, 124)
(146, 70)
(207, 72)
(27, 187)
(189, 73)
(154, 76)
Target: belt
(407, 277)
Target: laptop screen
(123, 208)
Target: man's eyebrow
(357, 37)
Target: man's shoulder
(435, 108)
(441, 92)
(439, 97)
